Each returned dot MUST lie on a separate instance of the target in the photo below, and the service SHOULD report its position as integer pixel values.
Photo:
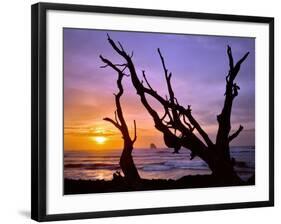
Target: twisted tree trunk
(223, 135)
(178, 124)
(126, 160)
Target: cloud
(88, 132)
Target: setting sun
(100, 139)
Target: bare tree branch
(113, 122)
(117, 65)
(187, 123)
(178, 118)
(110, 64)
(135, 132)
(222, 139)
(230, 58)
(120, 122)
(126, 160)
(193, 143)
(145, 79)
(116, 117)
(176, 107)
(235, 134)
(168, 78)
(197, 126)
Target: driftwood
(178, 123)
(126, 160)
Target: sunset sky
(199, 65)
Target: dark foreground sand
(120, 185)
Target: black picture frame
(39, 116)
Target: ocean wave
(153, 161)
(175, 164)
(156, 168)
(186, 164)
(248, 150)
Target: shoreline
(120, 185)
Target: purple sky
(199, 65)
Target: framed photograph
(139, 111)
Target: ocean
(151, 163)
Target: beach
(92, 171)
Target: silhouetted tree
(178, 124)
(126, 160)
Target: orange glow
(100, 139)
